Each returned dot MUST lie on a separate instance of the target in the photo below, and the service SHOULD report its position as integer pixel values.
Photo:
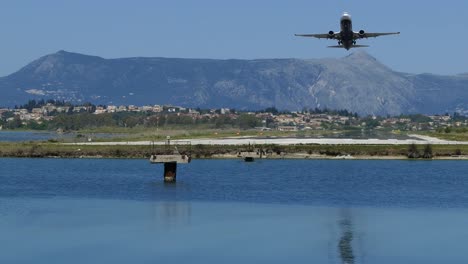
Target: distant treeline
(84, 119)
(133, 119)
(316, 110)
(273, 110)
(128, 119)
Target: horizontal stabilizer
(353, 46)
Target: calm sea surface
(228, 211)
(18, 136)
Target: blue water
(228, 211)
(18, 136)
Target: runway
(415, 139)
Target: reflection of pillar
(170, 171)
(345, 245)
(175, 213)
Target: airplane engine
(331, 34)
(362, 33)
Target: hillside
(357, 82)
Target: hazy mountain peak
(358, 83)
(62, 52)
(360, 55)
(58, 61)
(72, 55)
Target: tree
(272, 110)
(413, 152)
(15, 123)
(427, 152)
(131, 121)
(37, 126)
(247, 121)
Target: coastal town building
(285, 121)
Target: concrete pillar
(170, 171)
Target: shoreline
(302, 156)
(305, 152)
(232, 157)
(239, 147)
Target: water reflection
(172, 214)
(119, 231)
(345, 244)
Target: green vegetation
(417, 118)
(146, 123)
(50, 149)
(179, 133)
(82, 121)
(428, 152)
(450, 133)
(31, 104)
(413, 152)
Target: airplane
(347, 37)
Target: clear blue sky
(434, 35)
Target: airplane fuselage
(346, 34)
(347, 37)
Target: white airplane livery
(347, 37)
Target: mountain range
(358, 83)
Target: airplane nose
(346, 16)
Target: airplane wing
(358, 35)
(319, 36)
